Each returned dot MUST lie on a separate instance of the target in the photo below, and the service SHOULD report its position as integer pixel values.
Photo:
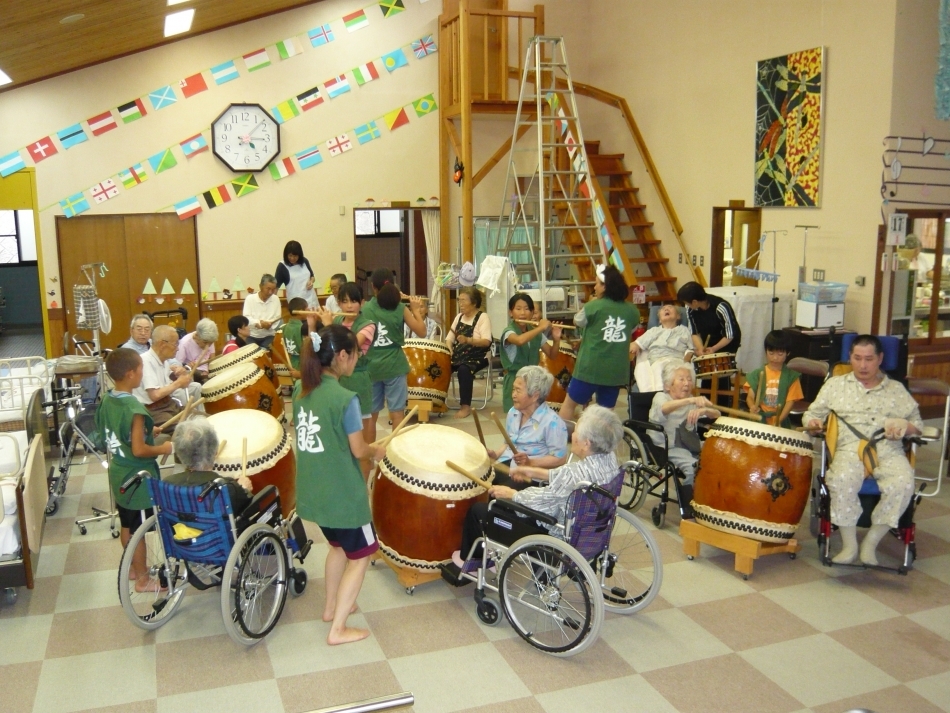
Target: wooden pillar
(465, 59)
(445, 101)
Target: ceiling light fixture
(70, 19)
(4, 77)
(178, 22)
(175, 2)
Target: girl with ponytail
(330, 487)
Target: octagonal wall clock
(245, 138)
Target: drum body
(419, 503)
(243, 386)
(561, 367)
(720, 363)
(270, 453)
(247, 353)
(430, 369)
(753, 480)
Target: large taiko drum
(243, 386)
(561, 366)
(430, 369)
(419, 503)
(753, 480)
(270, 455)
(247, 353)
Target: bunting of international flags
(225, 72)
(287, 167)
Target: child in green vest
(386, 361)
(330, 487)
(127, 429)
(293, 334)
(520, 344)
(772, 389)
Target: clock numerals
(245, 137)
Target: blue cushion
(869, 487)
(891, 350)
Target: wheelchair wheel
(630, 572)
(658, 514)
(487, 612)
(254, 585)
(298, 582)
(166, 580)
(636, 485)
(549, 595)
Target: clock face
(245, 137)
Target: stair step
(621, 189)
(635, 223)
(657, 260)
(640, 242)
(609, 171)
(592, 147)
(664, 278)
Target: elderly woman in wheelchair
(563, 549)
(871, 414)
(208, 531)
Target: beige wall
(689, 77)
(245, 237)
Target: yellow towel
(183, 532)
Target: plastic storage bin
(822, 292)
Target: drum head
(267, 441)
(430, 344)
(761, 434)
(416, 460)
(230, 381)
(238, 356)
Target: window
(17, 237)
(922, 282)
(378, 223)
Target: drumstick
(221, 447)
(499, 466)
(386, 439)
(478, 427)
(532, 323)
(740, 414)
(758, 394)
(203, 362)
(706, 343)
(459, 469)
(504, 432)
(183, 413)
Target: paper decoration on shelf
(167, 288)
(42, 149)
(71, 135)
(160, 300)
(74, 205)
(162, 97)
(187, 289)
(355, 21)
(213, 286)
(149, 288)
(101, 123)
(238, 285)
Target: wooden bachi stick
(504, 432)
(459, 469)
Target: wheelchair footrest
(453, 575)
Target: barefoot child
(330, 486)
(520, 343)
(127, 429)
(782, 387)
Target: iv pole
(802, 272)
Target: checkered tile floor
(795, 637)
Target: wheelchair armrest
(646, 425)
(514, 507)
(260, 503)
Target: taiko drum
(270, 455)
(247, 353)
(430, 369)
(753, 480)
(243, 386)
(561, 366)
(419, 503)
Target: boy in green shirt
(521, 345)
(127, 429)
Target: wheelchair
(196, 539)
(554, 591)
(648, 470)
(870, 494)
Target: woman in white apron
(295, 272)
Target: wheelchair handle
(516, 507)
(213, 485)
(133, 482)
(600, 491)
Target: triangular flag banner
(74, 205)
(425, 105)
(281, 169)
(213, 286)
(391, 7)
(187, 289)
(162, 161)
(188, 208)
(396, 118)
(149, 288)
(167, 288)
(394, 60)
(244, 185)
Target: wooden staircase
(629, 217)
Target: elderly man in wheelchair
(208, 531)
(548, 542)
(865, 416)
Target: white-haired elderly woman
(594, 444)
(539, 434)
(196, 444)
(658, 345)
(678, 411)
(197, 348)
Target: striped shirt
(716, 322)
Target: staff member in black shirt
(713, 325)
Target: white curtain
(431, 224)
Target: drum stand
(745, 549)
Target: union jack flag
(424, 47)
